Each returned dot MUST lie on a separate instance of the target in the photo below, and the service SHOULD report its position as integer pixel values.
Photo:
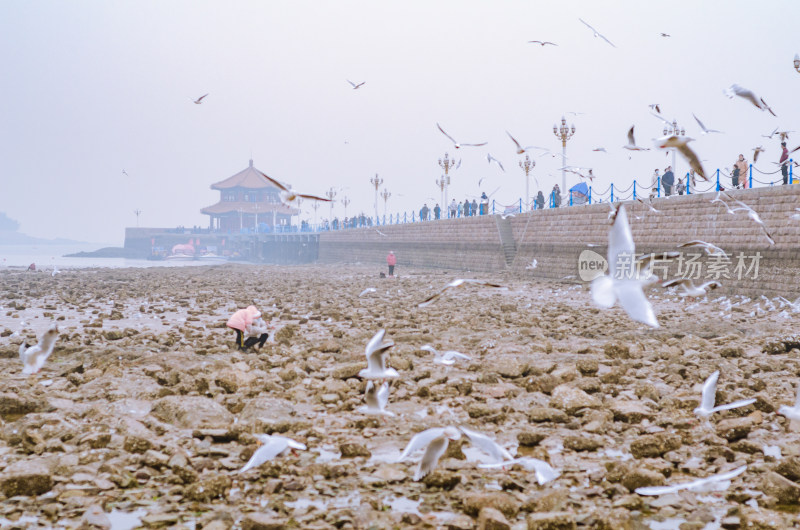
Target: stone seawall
(556, 238)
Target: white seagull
(272, 446)
(376, 399)
(354, 85)
(456, 144)
(688, 288)
(703, 484)
(705, 130)
(709, 397)
(544, 472)
(681, 143)
(448, 358)
(793, 413)
(367, 291)
(632, 143)
(435, 442)
(542, 42)
(749, 95)
(455, 283)
(289, 196)
(33, 358)
(520, 149)
(199, 100)
(596, 33)
(487, 445)
(491, 159)
(710, 249)
(624, 282)
(376, 351)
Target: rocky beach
(145, 412)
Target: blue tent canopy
(581, 188)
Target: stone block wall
(556, 238)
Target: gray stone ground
(145, 413)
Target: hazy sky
(92, 88)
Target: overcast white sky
(94, 87)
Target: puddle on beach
(126, 520)
(327, 454)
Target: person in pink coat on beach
(248, 323)
(391, 261)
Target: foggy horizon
(95, 89)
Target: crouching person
(250, 328)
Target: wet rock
(542, 414)
(616, 519)
(12, 404)
(459, 522)
(159, 520)
(551, 521)
(583, 442)
(554, 500)
(733, 429)
(542, 383)
(509, 367)
(208, 489)
(191, 412)
(136, 444)
(346, 371)
(258, 521)
(781, 346)
(789, 468)
(617, 351)
(474, 502)
(653, 445)
(492, 519)
(96, 440)
(443, 480)
(155, 459)
(95, 517)
(629, 411)
(26, 477)
(571, 399)
(783, 489)
(640, 478)
(530, 438)
(353, 450)
(587, 366)
(267, 410)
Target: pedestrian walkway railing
(636, 190)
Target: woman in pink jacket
(391, 261)
(248, 323)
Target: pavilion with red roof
(247, 200)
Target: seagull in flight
(600, 150)
(696, 485)
(710, 249)
(376, 351)
(793, 413)
(709, 396)
(199, 100)
(447, 358)
(655, 107)
(749, 95)
(271, 447)
(681, 143)
(354, 85)
(520, 149)
(434, 441)
(770, 135)
(456, 144)
(543, 472)
(542, 42)
(491, 159)
(757, 151)
(705, 130)
(455, 283)
(289, 196)
(125, 173)
(376, 399)
(596, 33)
(688, 288)
(665, 34)
(632, 143)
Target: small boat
(180, 257)
(211, 256)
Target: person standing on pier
(742, 165)
(540, 200)
(437, 212)
(667, 181)
(423, 212)
(783, 163)
(453, 208)
(391, 261)
(473, 210)
(466, 208)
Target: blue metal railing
(611, 194)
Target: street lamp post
(315, 205)
(564, 133)
(345, 201)
(376, 182)
(447, 164)
(527, 165)
(442, 183)
(385, 194)
(677, 131)
(137, 212)
(330, 194)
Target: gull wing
(23, 348)
(312, 197)
(631, 139)
(519, 147)
(429, 348)
(272, 448)
(383, 396)
(734, 405)
(620, 241)
(371, 396)
(634, 302)
(603, 291)
(487, 445)
(694, 161)
(452, 354)
(444, 133)
(662, 490)
(433, 453)
(709, 391)
(475, 145)
(274, 182)
(797, 399)
(421, 440)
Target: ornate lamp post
(137, 212)
(797, 62)
(527, 165)
(331, 193)
(385, 194)
(670, 130)
(315, 205)
(442, 183)
(564, 133)
(376, 182)
(446, 164)
(345, 201)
